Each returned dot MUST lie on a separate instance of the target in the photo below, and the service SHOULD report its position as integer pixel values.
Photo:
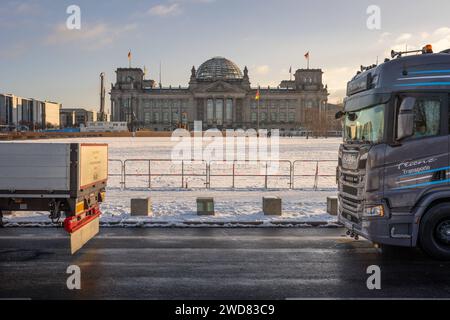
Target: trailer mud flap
(80, 237)
(82, 228)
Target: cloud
(27, 8)
(384, 36)
(442, 32)
(439, 38)
(404, 37)
(262, 70)
(336, 79)
(162, 10)
(192, 1)
(90, 36)
(173, 7)
(15, 12)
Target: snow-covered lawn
(173, 206)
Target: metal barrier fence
(317, 174)
(151, 167)
(265, 169)
(207, 173)
(113, 174)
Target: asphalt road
(212, 264)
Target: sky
(41, 58)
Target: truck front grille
(351, 201)
(350, 190)
(351, 178)
(351, 205)
(350, 217)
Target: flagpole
(307, 60)
(258, 117)
(259, 98)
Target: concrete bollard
(141, 207)
(272, 206)
(332, 206)
(205, 206)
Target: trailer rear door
(93, 168)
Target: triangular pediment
(219, 87)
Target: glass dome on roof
(219, 68)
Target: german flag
(307, 58)
(258, 95)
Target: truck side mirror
(339, 115)
(405, 125)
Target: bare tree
(321, 122)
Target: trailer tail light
(102, 197)
(79, 208)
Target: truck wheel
(435, 232)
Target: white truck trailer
(61, 178)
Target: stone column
(234, 110)
(119, 108)
(205, 111)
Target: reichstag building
(221, 96)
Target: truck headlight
(377, 211)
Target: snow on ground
(174, 206)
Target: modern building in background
(75, 117)
(29, 114)
(221, 96)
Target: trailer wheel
(435, 232)
(55, 211)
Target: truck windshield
(365, 126)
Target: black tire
(434, 235)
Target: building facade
(221, 96)
(75, 117)
(33, 114)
